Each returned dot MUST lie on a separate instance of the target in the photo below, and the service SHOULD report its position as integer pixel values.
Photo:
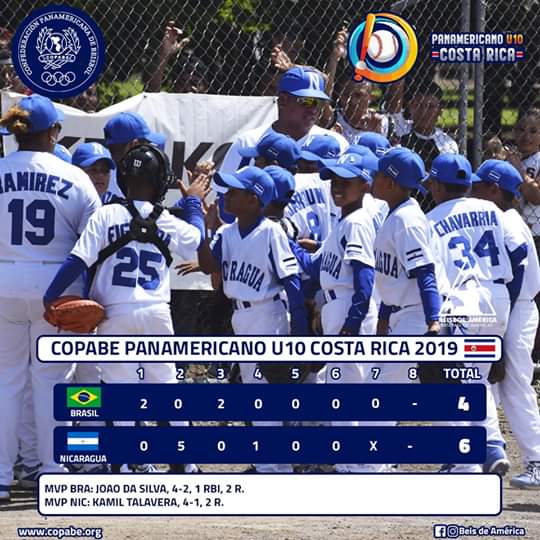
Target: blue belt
(241, 304)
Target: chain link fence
(230, 52)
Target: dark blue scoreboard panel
(272, 444)
(288, 402)
(368, 405)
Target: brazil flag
(89, 396)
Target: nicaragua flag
(480, 348)
(82, 440)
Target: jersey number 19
(35, 222)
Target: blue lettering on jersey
(248, 274)
(33, 181)
(386, 264)
(115, 232)
(466, 220)
(306, 198)
(331, 264)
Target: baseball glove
(74, 314)
(497, 372)
(280, 372)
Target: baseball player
(131, 268)
(257, 265)
(62, 152)
(499, 182)
(300, 97)
(472, 243)
(122, 132)
(347, 268)
(376, 142)
(45, 203)
(311, 208)
(403, 251)
(96, 161)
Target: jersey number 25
(148, 277)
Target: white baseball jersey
(351, 240)
(310, 209)
(402, 244)
(234, 161)
(472, 240)
(531, 212)
(531, 278)
(45, 204)
(137, 273)
(252, 265)
(352, 134)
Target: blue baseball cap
(42, 113)
(376, 142)
(404, 166)
(350, 166)
(303, 82)
(502, 173)
(251, 179)
(126, 127)
(319, 147)
(62, 152)
(452, 169)
(360, 150)
(284, 183)
(87, 154)
(157, 139)
(275, 146)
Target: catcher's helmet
(150, 163)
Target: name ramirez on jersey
(35, 181)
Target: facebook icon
(439, 531)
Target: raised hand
(280, 59)
(172, 41)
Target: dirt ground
(521, 508)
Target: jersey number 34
(486, 247)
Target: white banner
(198, 126)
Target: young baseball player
(404, 261)
(347, 268)
(44, 203)
(499, 182)
(96, 161)
(376, 142)
(257, 265)
(129, 247)
(311, 208)
(472, 244)
(122, 132)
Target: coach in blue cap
(300, 97)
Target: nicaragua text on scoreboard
(269, 349)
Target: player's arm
(416, 256)
(83, 255)
(383, 322)
(309, 263)
(358, 252)
(286, 268)
(210, 254)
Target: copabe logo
(58, 51)
(383, 48)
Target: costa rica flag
(480, 348)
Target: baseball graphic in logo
(382, 48)
(58, 51)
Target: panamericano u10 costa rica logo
(382, 48)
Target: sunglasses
(57, 125)
(309, 102)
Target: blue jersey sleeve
(297, 309)
(72, 268)
(363, 277)
(429, 292)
